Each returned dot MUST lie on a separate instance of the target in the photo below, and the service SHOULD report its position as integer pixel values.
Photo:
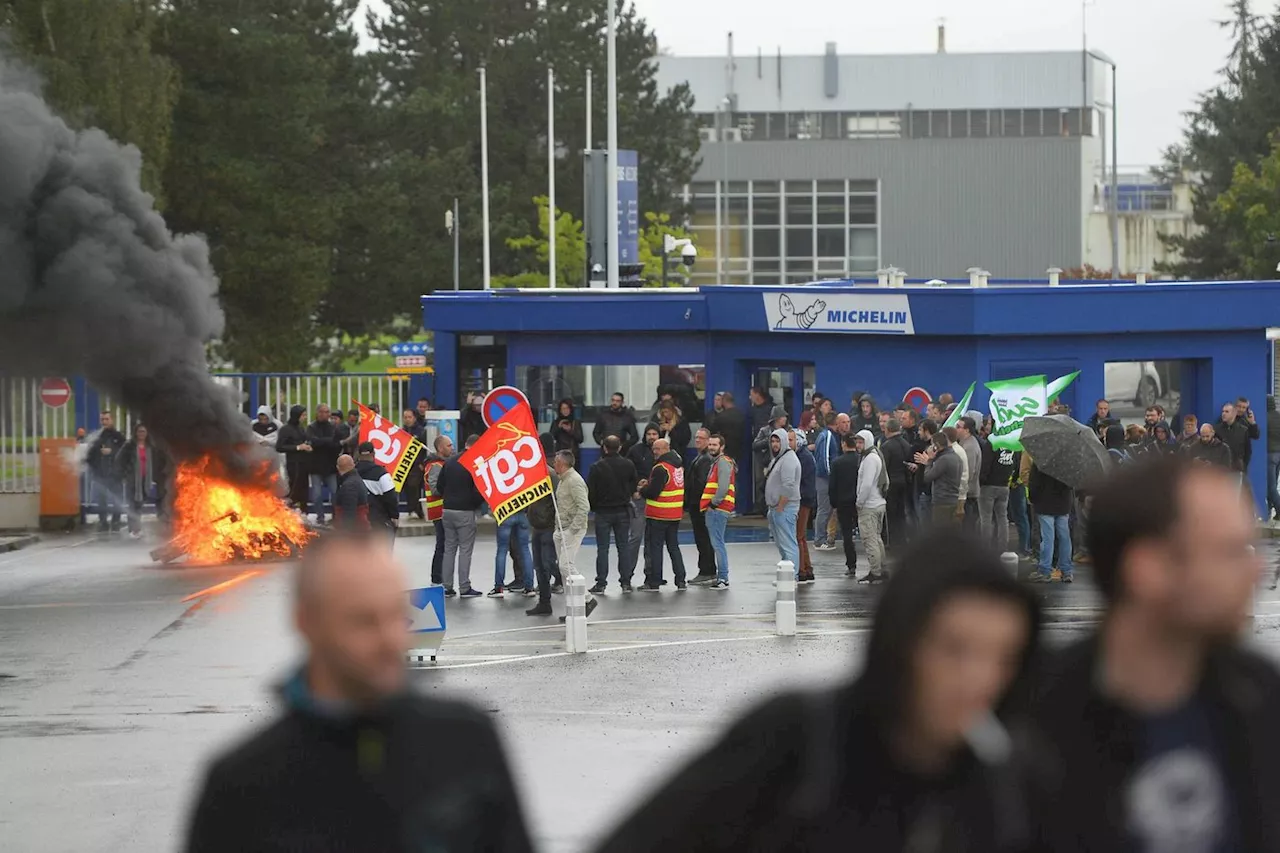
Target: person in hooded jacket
(291, 440)
(567, 429)
(763, 455)
(384, 500)
(921, 752)
(866, 416)
(808, 502)
(1161, 440)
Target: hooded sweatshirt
(291, 435)
(783, 478)
(810, 771)
(761, 443)
(869, 470)
(870, 422)
(269, 427)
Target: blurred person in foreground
(1165, 727)
(911, 756)
(357, 762)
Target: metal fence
(25, 419)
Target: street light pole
(611, 259)
(551, 173)
(1115, 175)
(484, 169)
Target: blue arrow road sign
(426, 610)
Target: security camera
(689, 254)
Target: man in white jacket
(872, 482)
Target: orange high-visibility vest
(435, 503)
(668, 506)
(712, 487)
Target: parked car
(1138, 381)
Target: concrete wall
(1012, 206)
(1140, 245)
(19, 512)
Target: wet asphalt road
(116, 685)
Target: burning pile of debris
(218, 520)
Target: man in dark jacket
(351, 498)
(1237, 432)
(616, 420)
(104, 470)
(384, 500)
(325, 444)
(611, 482)
(472, 421)
(851, 768)
(1163, 724)
(1211, 449)
(1273, 457)
(763, 455)
(896, 452)
(866, 416)
(292, 442)
(1052, 500)
(641, 456)
(993, 499)
(356, 762)
(843, 491)
(732, 424)
(696, 472)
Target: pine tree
(1246, 30)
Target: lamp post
(611, 182)
(484, 169)
(1114, 206)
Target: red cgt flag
(393, 448)
(508, 464)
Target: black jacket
(1215, 452)
(611, 482)
(808, 476)
(567, 439)
(384, 781)
(136, 481)
(456, 488)
(732, 424)
(696, 473)
(384, 500)
(1238, 436)
(1096, 750)
(679, 435)
(290, 436)
(351, 503)
(843, 485)
(810, 772)
(325, 448)
(641, 456)
(106, 465)
(622, 424)
(997, 465)
(761, 416)
(1047, 495)
(896, 451)
(471, 423)
(1273, 432)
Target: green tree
(571, 251)
(267, 155)
(99, 70)
(1232, 124)
(1246, 30)
(1249, 210)
(428, 56)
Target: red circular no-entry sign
(55, 393)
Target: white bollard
(1010, 562)
(784, 613)
(1055, 276)
(575, 614)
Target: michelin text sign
(852, 313)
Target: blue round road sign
(499, 401)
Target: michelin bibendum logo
(850, 313)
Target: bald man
(351, 500)
(358, 762)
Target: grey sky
(1167, 51)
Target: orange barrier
(59, 479)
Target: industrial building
(830, 165)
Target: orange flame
(216, 520)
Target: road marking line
(656, 645)
(53, 604)
(19, 555)
(219, 588)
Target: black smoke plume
(92, 283)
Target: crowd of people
(962, 732)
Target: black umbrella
(1065, 449)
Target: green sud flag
(1014, 400)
